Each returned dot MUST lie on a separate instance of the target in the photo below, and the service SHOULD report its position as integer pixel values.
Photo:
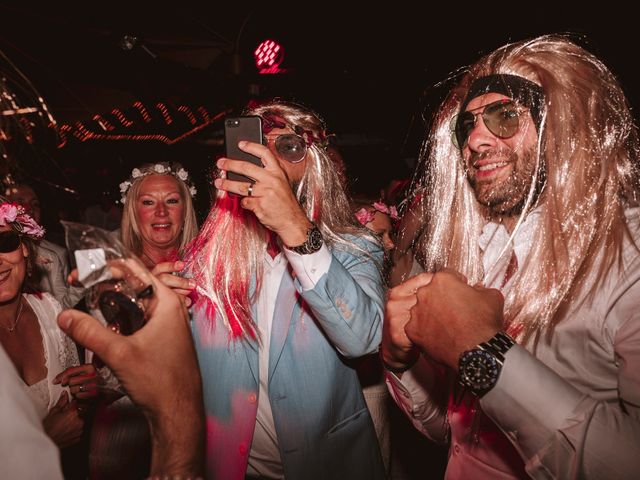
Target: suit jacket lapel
(251, 348)
(285, 303)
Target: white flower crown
(158, 168)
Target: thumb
(62, 401)
(88, 331)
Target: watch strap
(479, 368)
(312, 244)
(498, 345)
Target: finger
(182, 292)
(174, 282)
(167, 267)
(409, 328)
(86, 390)
(412, 285)
(456, 274)
(268, 159)
(496, 295)
(85, 369)
(81, 380)
(132, 271)
(241, 167)
(62, 402)
(89, 332)
(233, 186)
(72, 278)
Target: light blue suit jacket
(322, 423)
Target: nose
(480, 138)
(387, 242)
(161, 209)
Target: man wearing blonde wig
(289, 290)
(520, 345)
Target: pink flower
(364, 215)
(9, 212)
(14, 215)
(381, 207)
(384, 208)
(30, 227)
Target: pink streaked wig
(226, 257)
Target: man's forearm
(178, 441)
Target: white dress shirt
(26, 452)
(569, 408)
(264, 457)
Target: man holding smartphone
(290, 289)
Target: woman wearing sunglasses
(46, 359)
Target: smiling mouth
(491, 166)
(4, 275)
(161, 225)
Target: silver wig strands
(226, 257)
(587, 155)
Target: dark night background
(372, 74)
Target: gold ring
(250, 190)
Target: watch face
(478, 370)
(315, 240)
(312, 244)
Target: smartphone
(242, 128)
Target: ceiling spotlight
(268, 56)
(127, 42)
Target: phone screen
(242, 128)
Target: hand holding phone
(242, 128)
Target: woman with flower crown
(158, 220)
(45, 358)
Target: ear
(25, 250)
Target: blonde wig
(587, 156)
(130, 229)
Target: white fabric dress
(60, 352)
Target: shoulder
(350, 244)
(44, 303)
(51, 252)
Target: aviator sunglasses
(9, 241)
(289, 146)
(502, 118)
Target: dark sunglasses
(289, 147)
(9, 241)
(502, 118)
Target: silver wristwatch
(312, 244)
(479, 368)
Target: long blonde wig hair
(588, 145)
(227, 256)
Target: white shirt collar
(495, 239)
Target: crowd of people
(497, 307)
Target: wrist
(312, 243)
(178, 446)
(296, 234)
(480, 367)
(400, 366)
